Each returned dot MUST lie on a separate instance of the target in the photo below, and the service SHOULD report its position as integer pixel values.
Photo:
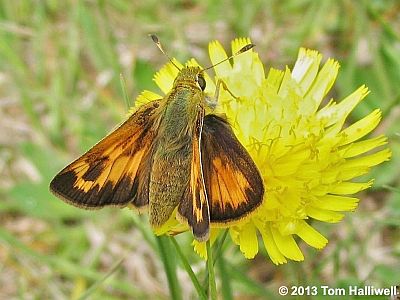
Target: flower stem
(200, 291)
(211, 275)
(166, 255)
(217, 251)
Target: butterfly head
(190, 77)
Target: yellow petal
(347, 188)
(306, 68)
(242, 63)
(146, 97)
(348, 174)
(289, 87)
(234, 232)
(311, 236)
(362, 127)
(274, 253)
(288, 226)
(335, 203)
(200, 247)
(320, 87)
(192, 63)
(218, 54)
(290, 162)
(337, 113)
(361, 147)
(166, 76)
(248, 240)
(257, 69)
(287, 246)
(238, 44)
(273, 81)
(324, 215)
(368, 160)
(167, 226)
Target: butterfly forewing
(108, 173)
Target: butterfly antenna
(157, 42)
(242, 50)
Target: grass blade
(189, 270)
(169, 266)
(226, 287)
(98, 283)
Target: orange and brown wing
(113, 172)
(233, 183)
(193, 208)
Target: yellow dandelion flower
(306, 155)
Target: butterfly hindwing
(193, 207)
(233, 183)
(108, 173)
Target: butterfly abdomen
(168, 180)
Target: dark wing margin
(113, 172)
(233, 183)
(193, 208)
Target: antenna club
(243, 49)
(246, 48)
(158, 44)
(154, 38)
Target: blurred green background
(60, 92)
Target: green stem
(226, 287)
(169, 266)
(189, 270)
(211, 275)
(218, 251)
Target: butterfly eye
(202, 82)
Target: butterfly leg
(222, 83)
(213, 101)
